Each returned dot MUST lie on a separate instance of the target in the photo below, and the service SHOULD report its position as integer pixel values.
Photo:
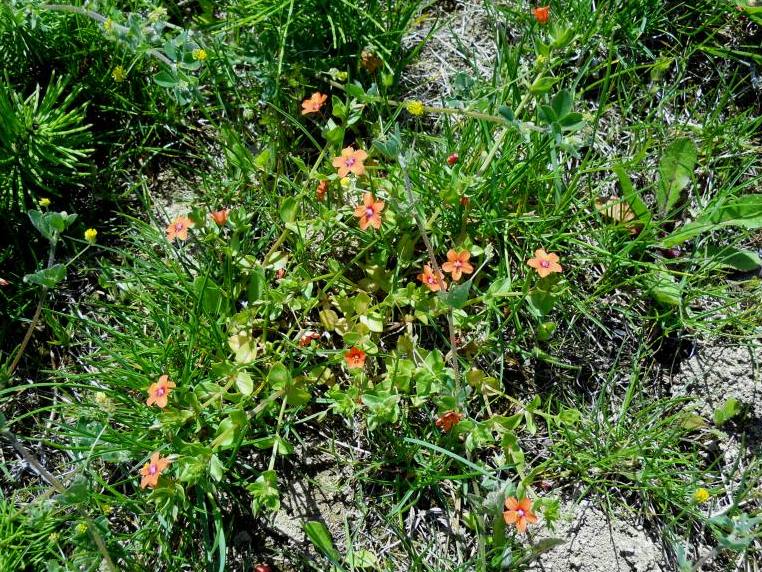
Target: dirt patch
(597, 543)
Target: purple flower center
(369, 212)
(545, 263)
(152, 469)
(520, 512)
(179, 226)
(350, 161)
(160, 392)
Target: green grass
(559, 379)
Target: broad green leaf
(562, 103)
(49, 277)
(745, 211)
(675, 170)
(216, 468)
(288, 210)
(542, 85)
(726, 411)
(663, 288)
(318, 534)
(244, 383)
(257, 285)
(457, 295)
(279, 376)
(730, 257)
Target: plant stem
(437, 272)
(37, 313)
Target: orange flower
(369, 212)
(178, 228)
(457, 263)
(431, 281)
(350, 161)
(313, 103)
(448, 420)
(307, 338)
(519, 512)
(159, 392)
(541, 14)
(220, 216)
(544, 263)
(152, 469)
(355, 357)
(322, 190)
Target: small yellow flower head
(104, 402)
(108, 24)
(541, 60)
(119, 74)
(345, 181)
(701, 495)
(44, 202)
(107, 509)
(90, 235)
(81, 528)
(415, 107)
(199, 54)
(342, 76)
(54, 537)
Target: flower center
(431, 280)
(349, 162)
(369, 212)
(161, 391)
(179, 226)
(458, 264)
(520, 512)
(545, 263)
(152, 469)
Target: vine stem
(454, 363)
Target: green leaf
(165, 79)
(244, 383)
(457, 295)
(257, 285)
(562, 103)
(507, 113)
(318, 534)
(663, 288)
(730, 257)
(675, 171)
(49, 277)
(726, 411)
(355, 90)
(542, 85)
(745, 211)
(264, 493)
(510, 444)
(279, 376)
(216, 468)
(288, 210)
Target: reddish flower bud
(452, 159)
(541, 14)
(220, 216)
(262, 568)
(280, 273)
(464, 200)
(322, 190)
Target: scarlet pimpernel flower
(322, 190)
(457, 264)
(178, 228)
(307, 338)
(369, 212)
(541, 14)
(519, 513)
(448, 420)
(350, 161)
(313, 103)
(545, 263)
(220, 217)
(431, 280)
(355, 358)
(158, 392)
(152, 470)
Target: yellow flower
(415, 107)
(701, 495)
(119, 74)
(81, 528)
(90, 235)
(199, 54)
(107, 509)
(108, 24)
(540, 60)
(44, 202)
(345, 181)
(54, 537)
(342, 75)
